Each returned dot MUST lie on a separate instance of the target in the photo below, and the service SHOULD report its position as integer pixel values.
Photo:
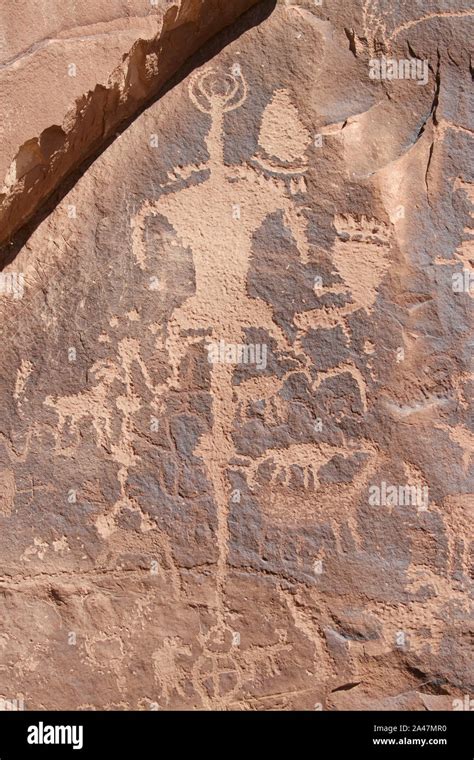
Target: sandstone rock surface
(236, 440)
(71, 80)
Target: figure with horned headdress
(216, 216)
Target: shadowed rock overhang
(43, 163)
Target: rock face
(68, 92)
(236, 452)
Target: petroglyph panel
(236, 451)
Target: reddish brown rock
(236, 450)
(66, 90)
